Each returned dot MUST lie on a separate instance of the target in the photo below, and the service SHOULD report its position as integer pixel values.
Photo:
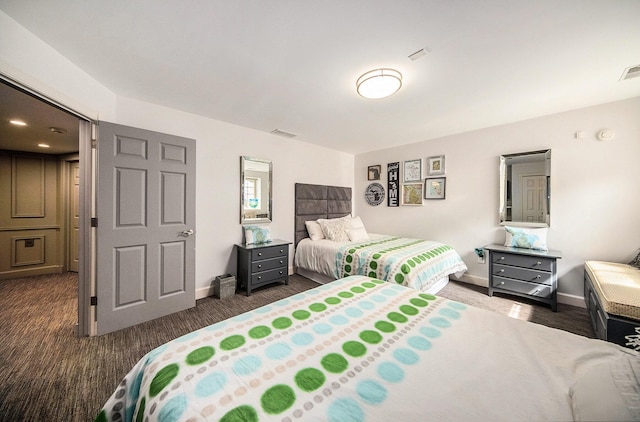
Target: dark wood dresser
(524, 272)
(262, 264)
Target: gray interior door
(146, 220)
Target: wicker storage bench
(612, 296)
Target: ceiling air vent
(283, 133)
(631, 72)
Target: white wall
(595, 198)
(27, 59)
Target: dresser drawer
(266, 276)
(531, 289)
(525, 261)
(524, 274)
(269, 264)
(270, 252)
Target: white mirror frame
(533, 163)
(262, 170)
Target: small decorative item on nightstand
(263, 263)
(524, 272)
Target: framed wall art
(412, 194)
(373, 172)
(435, 188)
(393, 184)
(412, 171)
(435, 165)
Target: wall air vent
(631, 72)
(283, 133)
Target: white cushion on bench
(617, 286)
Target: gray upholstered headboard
(319, 201)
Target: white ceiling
(292, 64)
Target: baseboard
(564, 298)
(203, 292)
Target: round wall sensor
(605, 135)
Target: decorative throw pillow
(521, 237)
(335, 228)
(314, 230)
(256, 235)
(635, 262)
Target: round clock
(374, 194)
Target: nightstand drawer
(267, 276)
(523, 274)
(525, 261)
(269, 264)
(270, 252)
(531, 289)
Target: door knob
(186, 233)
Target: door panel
(146, 212)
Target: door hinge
(94, 222)
(94, 300)
(94, 136)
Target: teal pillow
(520, 237)
(256, 235)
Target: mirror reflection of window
(252, 193)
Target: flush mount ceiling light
(17, 122)
(379, 83)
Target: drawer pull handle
(259, 265)
(501, 283)
(281, 261)
(281, 273)
(259, 253)
(538, 276)
(502, 270)
(502, 258)
(281, 250)
(259, 277)
(538, 263)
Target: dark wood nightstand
(524, 272)
(261, 264)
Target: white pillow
(335, 228)
(314, 230)
(356, 235)
(521, 237)
(356, 223)
(356, 230)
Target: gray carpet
(50, 375)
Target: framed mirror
(525, 197)
(255, 190)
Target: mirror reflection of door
(74, 215)
(532, 200)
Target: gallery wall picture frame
(412, 194)
(435, 165)
(373, 172)
(412, 170)
(435, 187)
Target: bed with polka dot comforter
(360, 349)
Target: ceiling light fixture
(44, 145)
(17, 122)
(379, 83)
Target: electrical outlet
(481, 260)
